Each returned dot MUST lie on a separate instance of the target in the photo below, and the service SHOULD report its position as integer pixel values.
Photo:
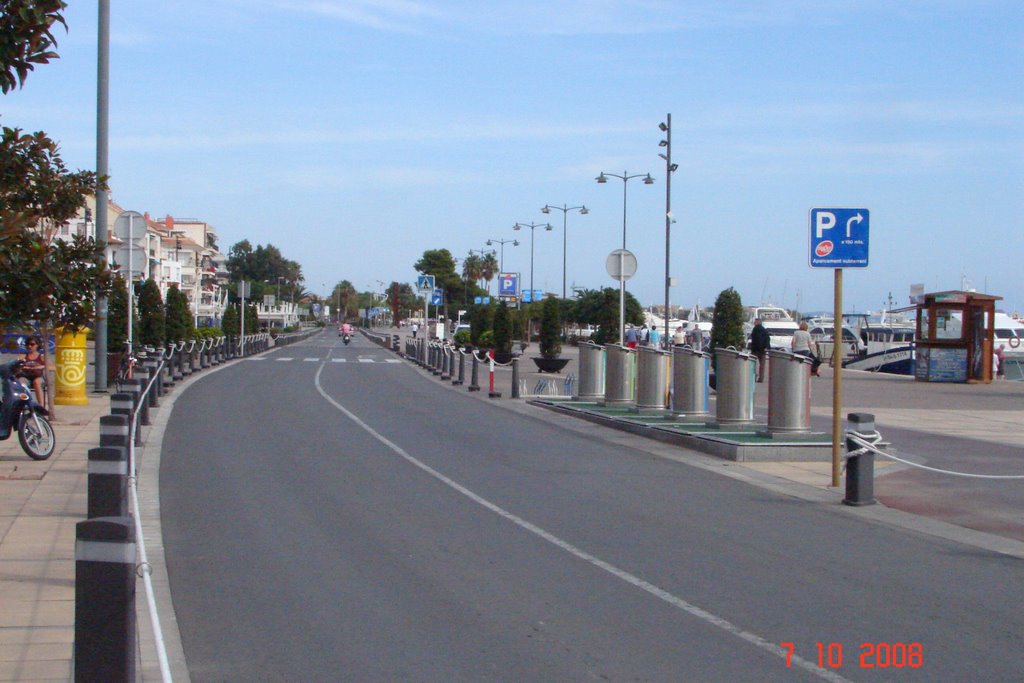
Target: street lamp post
(670, 168)
(502, 242)
(625, 178)
(532, 227)
(565, 209)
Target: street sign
(621, 264)
(508, 284)
(425, 283)
(839, 238)
(436, 297)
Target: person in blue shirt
(631, 337)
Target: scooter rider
(346, 329)
(7, 371)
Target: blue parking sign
(839, 238)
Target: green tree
(179, 316)
(441, 264)
(550, 329)
(600, 308)
(502, 329)
(117, 317)
(252, 319)
(727, 321)
(488, 268)
(52, 282)
(230, 323)
(151, 315)
(481, 318)
(401, 300)
(26, 38)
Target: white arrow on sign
(853, 219)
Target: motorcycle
(347, 338)
(19, 410)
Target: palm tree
(472, 268)
(489, 268)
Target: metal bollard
(107, 482)
(860, 468)
(515, 377)
(690, 370)
(491, 391)
(121, 405)
(651, 381)
(619, 387)
(473, 384)
(591, 372)
(789, 392)
(446, 364)
(462, 368)
(104, 648)
(735, 373)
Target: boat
(777, 321)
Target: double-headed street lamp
(565, 209)
(625, 178)
(502, 242)
(670, 168)
(532, 227)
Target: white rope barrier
(867, 441)
(144, 569)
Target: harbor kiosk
(955, 331)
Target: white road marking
(661, 594)
(311, 360)
(283, 359)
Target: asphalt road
(328, 521)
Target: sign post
(425, 285)
(621, 265)
(838, 239)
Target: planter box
(551, 364)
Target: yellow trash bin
(72, 365)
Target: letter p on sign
(823, 221)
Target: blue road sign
(425, 283)
(478, 299)
(839, 238)
(508, 284)
(436, 297)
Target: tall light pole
(533, 227)
(565, 209)
(670, 168)
(502, 242)
(625, 178)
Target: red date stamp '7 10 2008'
(871, 655)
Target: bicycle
(125, 367)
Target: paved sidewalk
(40, 503)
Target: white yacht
(777, 321)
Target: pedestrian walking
(415, 329)
(760, 340)
(679, 337)
(631, 337)
(803, 345)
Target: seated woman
(33, 369)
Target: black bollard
(107, 482)
(515, 378)
(446, 364)
(462, 368)
(860, 469)
(473, 385)
(104, 648)
(121, 405)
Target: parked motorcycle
(19, 410)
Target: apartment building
(172, 252)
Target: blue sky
(355, 135)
